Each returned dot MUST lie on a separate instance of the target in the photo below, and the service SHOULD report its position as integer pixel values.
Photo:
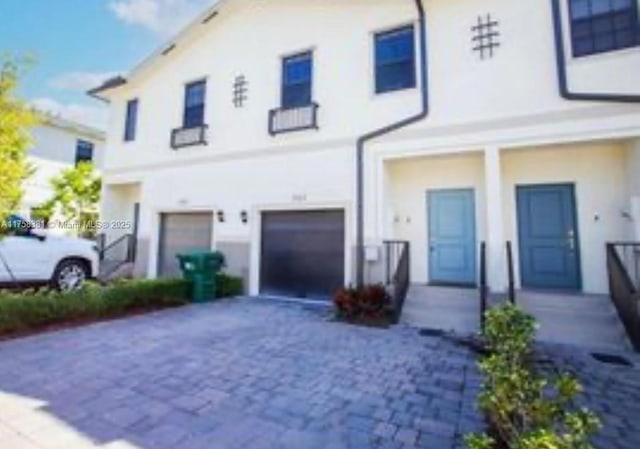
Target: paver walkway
(246, 374)
(237, 374)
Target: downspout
(561, 67)
(362, 141)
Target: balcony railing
(186, 137)
(285, 120)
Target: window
(194, 101)
(84, 151)
(395, 61)
(297, 74)
(131, 121)
(599, 26)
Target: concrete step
(589, 321)
(121, 271)
(596, 337)
(443, 308)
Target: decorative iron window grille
(485, 36)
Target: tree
(76, 194)
(16, 120)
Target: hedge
(228, 286)
(33, 309)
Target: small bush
(524, 408)
(228, 286)
(371, 301)
(31, 309)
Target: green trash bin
(201, 269)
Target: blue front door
(452, 237)
(549, 253)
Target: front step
(584, 320)
(444, 308)
(588, 321)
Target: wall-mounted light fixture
(220, 216)
(244, 216)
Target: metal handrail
(115, 243)
(512, 282)
(483, 288)
(624, 292)
(129, 254)
(398, 272)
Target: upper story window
(194, 104)
(131, 121)
(84, 151)
(599, 26)
(395, 60)
(297, 75)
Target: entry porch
(557, 205)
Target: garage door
(180, 233)
(302, 253)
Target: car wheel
(70, 275)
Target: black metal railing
(511, 271)
(116, 254)
(285, 120)
(397, 273)
(186, 137)
(623, 260)
(483, 288)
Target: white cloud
(80, 81)
(95, 116)
(165, 17)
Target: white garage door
(182, 233)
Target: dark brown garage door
(182, 233)
(302, 253)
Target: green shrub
(31, 309)
(525, 408)
(228, 286)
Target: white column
(635, 214)
(633, 186)
(496, 256)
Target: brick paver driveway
(237, 374)
(245, 374)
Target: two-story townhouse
(298, 136)
(58, 144)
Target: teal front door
(452, 237)
(548, 236)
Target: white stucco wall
(53, 150)
(250, 38)
(596, 171)
(322, 178)
(508, 101)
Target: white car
(32, 256)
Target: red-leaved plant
(370, 301)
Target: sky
(77, 44)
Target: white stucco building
(58, 144)
(527, 129)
